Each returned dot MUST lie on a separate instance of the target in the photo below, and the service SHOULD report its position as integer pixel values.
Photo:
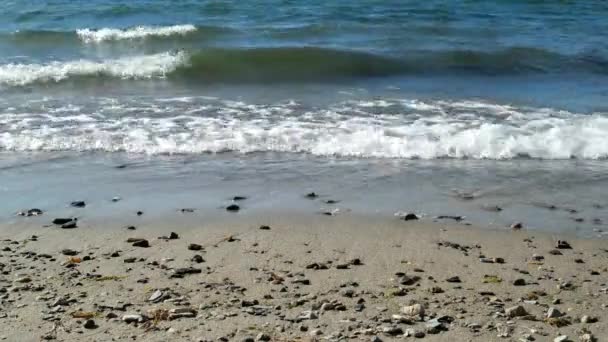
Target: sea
(492, 110)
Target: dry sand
(304, 278)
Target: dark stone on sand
(519, 282)
(69, 252)
(331, 201)
(129, 260)
(139, 213)
(69, 225)
(517, 225)
(138, 242)
(78, 204)
(410, 217)
(356, 262)
(31, 212)
(239, 198)
(562, 244)
(233, 207)
(195, 247)
(131, 228)
(180, 272)
(311, 195)
(62, 220)
(451, 217)
(555, 252)
(89, 324)
(173, 236)
(264, 227)
(187, 210)
(579, 261)
(141, 243)
(454, 279)
(198, 259)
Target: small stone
(173, 236)
(69, 252)
(392, 330)
(537, 257)
(561, 338)
(69, 225)
(311, 195)
(130, 260)
(133, 318)
(139, 213)
(516, 311)
(264, 227)
(410, 217)
(78, 204)
(588, 319)
(306, 315)
(587, 338)
(375, 339)
(263, 337)
(517, 225)
(141, 243)
(180, 272)
(562, 244)
(89, 324)
(233, 208)
(195, 247)
(198, 259)
(454, 279)
(555, 252)
(413, 310)
(553, 313)
(60, 221)
(156, 296)
(519, 282)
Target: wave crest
(139, 32)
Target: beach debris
(139, 213)
(264, 227)
(563, 244)
(172, 236)
(409, 217)
(116, 199)
(78, 204)
(187, 210)
(456, 218)
(133, 318)
(69, 252)
(195, 247)
(519, 282)
(561, 338)
(239, 198)
(491, 279)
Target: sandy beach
(281, 277)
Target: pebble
(410, 217)
(195, 247)
(60, 221)
(413, 310)
(69, 225)
(141, 243)
(519, 282)
(133, 318)
(89, 324)
(517, 225)
(69, 252)
(78, 204)
(516, 311)
(562, 244)
(156, 296)
(264, 227)
(233, 207)
(198, 259)
(553, 313)
(454, 279)
(263, 337)
(561, 338)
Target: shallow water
(362, 101)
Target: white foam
(333, 131)
(136, 67)
(139, 32)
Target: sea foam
(436, 129)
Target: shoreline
(299, 279)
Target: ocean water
(507, 100)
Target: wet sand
(300, 277)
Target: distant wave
(416, 129)
(139, 32)
(293, 64)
